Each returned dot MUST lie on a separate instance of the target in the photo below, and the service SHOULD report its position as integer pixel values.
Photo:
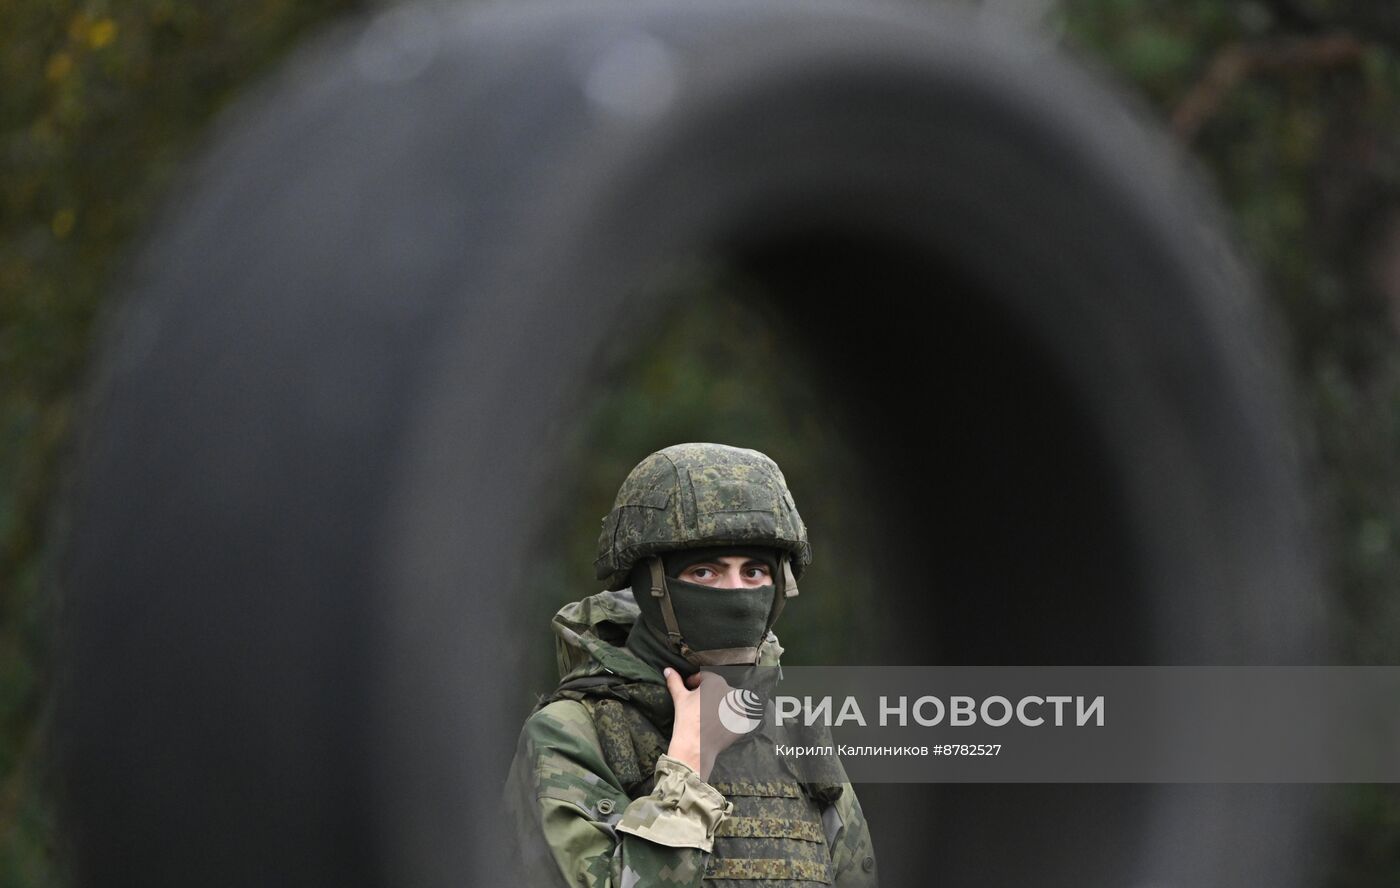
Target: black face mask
(718, 627)
(714, 619)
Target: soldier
(618, 779)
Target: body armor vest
(775, 835)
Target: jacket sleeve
(852, 854)
(576, 826)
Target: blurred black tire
(327, 420)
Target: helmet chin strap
(784, 587)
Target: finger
(694, 680)
(674, 684)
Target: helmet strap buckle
(668, 612)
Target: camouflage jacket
(577, 824)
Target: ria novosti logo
(741, 711)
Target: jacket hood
(590, 638)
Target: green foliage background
(100, 102)
(1290, 106)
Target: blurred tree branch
(1239, 61)
(1307, 38)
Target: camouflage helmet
(689, 496)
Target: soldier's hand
(697, 735)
